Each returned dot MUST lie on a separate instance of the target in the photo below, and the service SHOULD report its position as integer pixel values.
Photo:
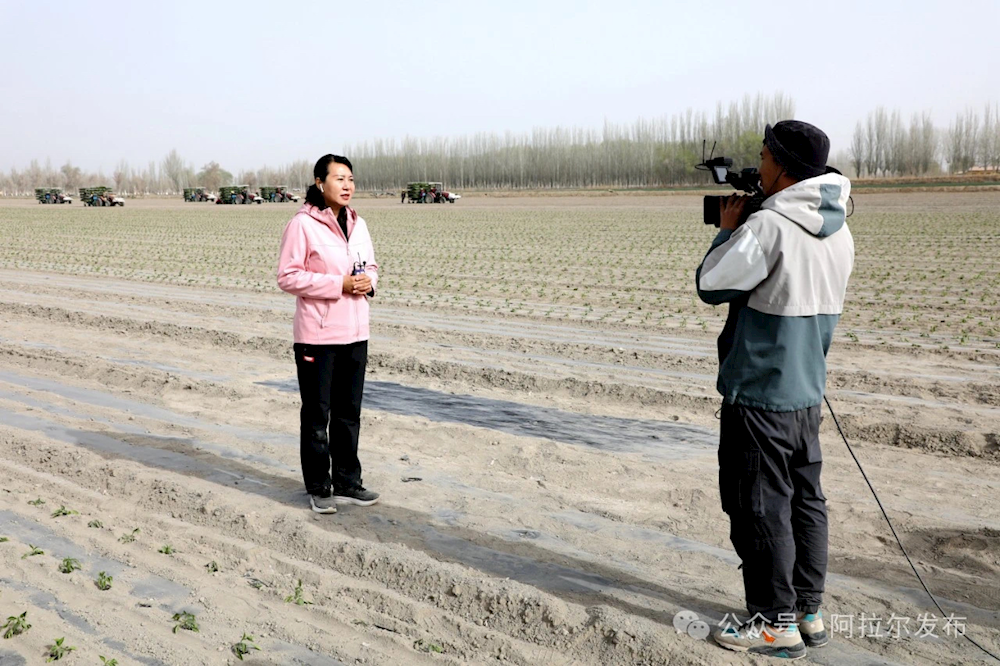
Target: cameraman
(784, 274)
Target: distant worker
(327, 261)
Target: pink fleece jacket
(314, 258)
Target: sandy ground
(549, 489)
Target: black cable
(886, 516)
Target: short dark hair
(321, 171)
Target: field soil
(540, 418)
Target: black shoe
(358, 496)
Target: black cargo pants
(331, 383)
(769, 479)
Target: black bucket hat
(799, 147)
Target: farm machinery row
(240, 194)
(90, 196)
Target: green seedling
(296, 597)
(423, 646)
(4, 539)
(212, 567)
(95, 523)
(108, 662)
(35, 550)
(37, 502)
(69, 565)
(167, 550)
(63, 511)
(244, 647)
(185, 620)
(104, 581)
(58, 650)
(130, 537)
(16, 624)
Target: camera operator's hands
(357, 285)
(731, 212)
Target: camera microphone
(747, 180)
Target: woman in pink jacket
(328, 263)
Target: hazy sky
(252, 83)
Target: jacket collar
(818, 204)
(327, 217)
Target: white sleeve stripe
(737, 264)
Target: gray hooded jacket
(784, 273)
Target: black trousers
(331, 382)
(769, 479)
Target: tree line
(886, 145)
(648, 153)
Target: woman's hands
(357, 285)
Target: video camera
(747, 180)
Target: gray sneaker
(759, 637)
(811, 627)
(323, 504)
(358, 496)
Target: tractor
(277, 194)
(432, 192)
(100, 196)
(197, 194)
(52, 195)
(238, 194)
